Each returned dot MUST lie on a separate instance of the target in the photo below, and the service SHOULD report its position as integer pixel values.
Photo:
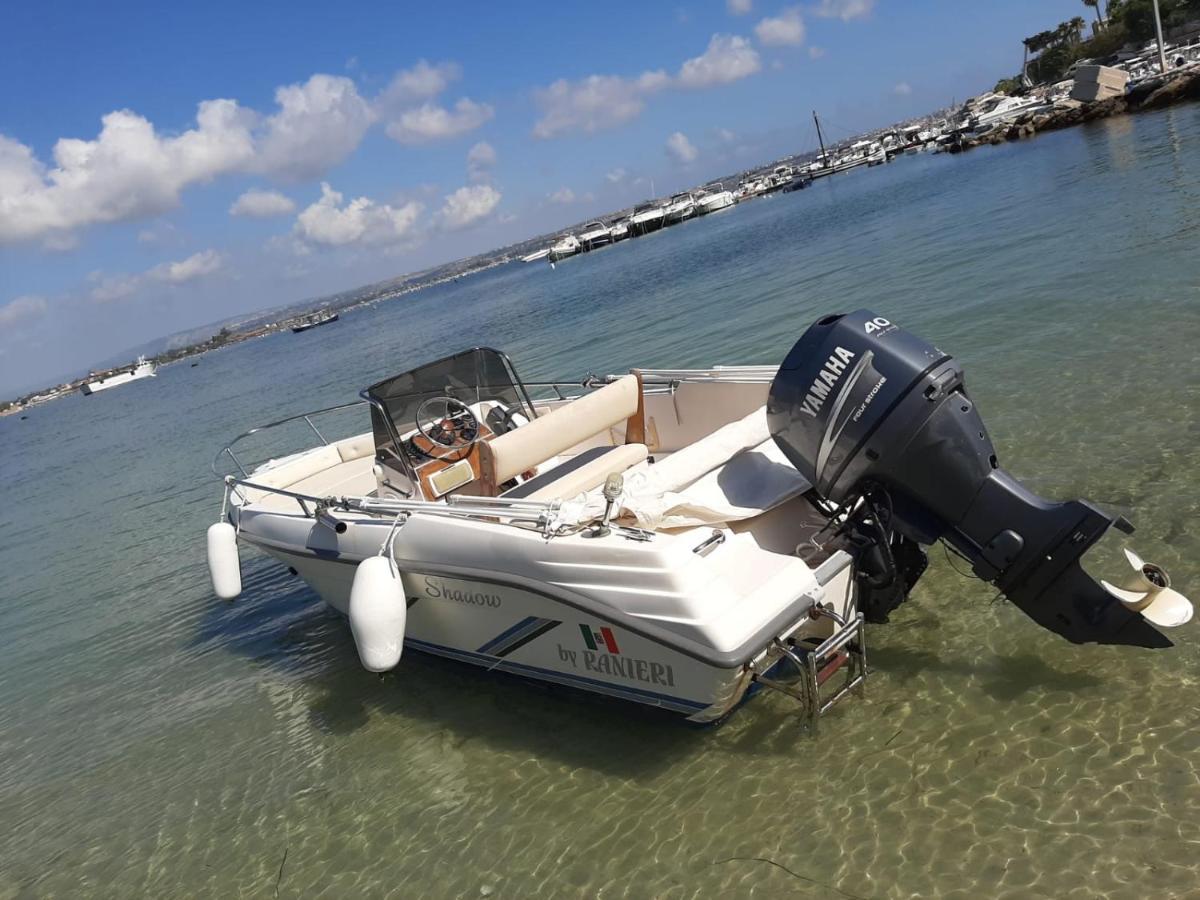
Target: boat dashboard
(444, 453)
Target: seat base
(580, 473)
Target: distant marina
(1136, 77)
(1091, 91)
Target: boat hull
(103, 384)
(504, 627)
(308, 326)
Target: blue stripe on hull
(505, 635)
(603, 687)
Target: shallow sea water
(155, 742)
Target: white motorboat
(619, 231)
(1005, 109)
(142, 368)
(670, 537)
(714, 198)
(751, 187)
(680, 207)
(536, 255)
(568, 245)
(646, 218)
(595, 234)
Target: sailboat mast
(820, 140)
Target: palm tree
(1095, 5)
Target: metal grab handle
(710, 543)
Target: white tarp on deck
(735, 473)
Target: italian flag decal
(599, 640)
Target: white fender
(378, 612)
(224, 565)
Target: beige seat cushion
(356, 447)
(288, 472)
(577, 479)
(524, 448)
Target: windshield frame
(471, 375)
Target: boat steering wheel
(446, 422)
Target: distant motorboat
(536, 255)
(568, 245)
(798, 183)
(595, 234)
(681, 206)
(714, 198)
(324, 317)
(751, 187)
(646, 218)
(142, 368)
(1005, 109)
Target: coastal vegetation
(1048, 55)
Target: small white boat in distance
(536, 255)
(595, 234)
(670, 537)
(565, 246)
(713, 198)
(1005, 109)
(681, 206)
(646, 218)
(142, 368)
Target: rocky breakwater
(1151, 93)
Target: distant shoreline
(1154, 93)
(227, 338)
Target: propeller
(1149, 592)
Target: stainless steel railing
(306, 417)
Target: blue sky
(163, 166)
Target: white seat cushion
(548, 435)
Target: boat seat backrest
(356, 447)
(517, 451)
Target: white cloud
(480, 160)
(844, 9)
(22, 309)
(815, 52)
(563, 195)
(469, 205)
(327, 222)
(117, 287)
(738, 7)
(728, 58)
(903, 89)
(132, 171)
(784, 30)
(726, 135)
(680, 149)
(594, 103)
(319, 124)
(407, 105)
(195, 266)
(259, 204)
(129, 171)
(616, 176)
(604, 101)
(422, 82)
(431, 122)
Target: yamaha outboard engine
(880, 423)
